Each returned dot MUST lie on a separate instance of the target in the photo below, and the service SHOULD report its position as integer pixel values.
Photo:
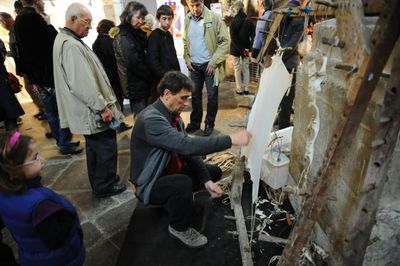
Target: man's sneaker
(190, 237)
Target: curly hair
(11, 160)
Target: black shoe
(48, 135)
(191, 128)
(76, 143)
(239, 92)
(208, 131)
(71, 150)
(114, 190)
(123, 127)
(246, 92)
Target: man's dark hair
(104, 26)
(174, 81)
(5, 16)
(164, 10)
(130, 9)
(267, 4)
(27, 2)
(18, 6)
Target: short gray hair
(74, 10)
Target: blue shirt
(197, 46)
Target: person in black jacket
(10, 109)
(103, 48)
(35, 37)
(242, 35)
(130, 52)
(161, 53)
(7, 22)
(290, 34)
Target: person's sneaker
(114, 190)
(239, 92)
(190, 237)
(246, 92)
(208, 130)
(191, 128)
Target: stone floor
(105, 221)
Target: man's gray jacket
(153, 140)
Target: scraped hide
(274, 82)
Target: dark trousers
(176, 193)
(101, 158)
(62, 136)
(286, 105)
(199, 77)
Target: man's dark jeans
(176, 193)
(63, 136)
(199, 77)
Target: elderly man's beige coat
(82, 86)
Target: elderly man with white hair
(86, 100)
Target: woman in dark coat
(130, 53)
(10, 109)
(103, 48)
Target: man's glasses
(87, 21)
(34, 161)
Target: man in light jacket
(86, 100)
(206, 44)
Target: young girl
(45, 225)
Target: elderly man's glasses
(87, 21)
(34, 161)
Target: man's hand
(189, 65)
(214, 190)
(241, 138)
(35, 88)
(210, 69)
(253, 60)
(107, 115)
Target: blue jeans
(199, 77)
(63, 136)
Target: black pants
(176, 193)
(286, 105)
(101, 157)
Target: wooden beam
(236, 204)
(388, 27)
(362, 217)
(270, 36)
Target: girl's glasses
(34, 161)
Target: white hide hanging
(274, 82)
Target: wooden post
(383, 40)
(362, 217)
(236, 205)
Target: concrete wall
(332, 224)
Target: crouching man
(166, 164)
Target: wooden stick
(362, 218)
(384, 38)
(272, 239)
(236, 205)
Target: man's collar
(72, 33)
(199, 18)
(160, 106)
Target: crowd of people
(124, 62)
